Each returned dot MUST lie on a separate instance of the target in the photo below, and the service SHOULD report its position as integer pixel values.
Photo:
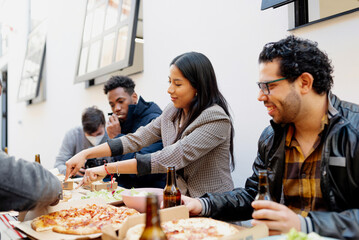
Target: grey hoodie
(25, 185)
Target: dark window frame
(34, 76)
(301, 11)
(33, 65)
(4, 110)
(274, 3)
(128, 60)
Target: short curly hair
(120, 81)
(297, 56)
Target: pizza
(82, 221)
(190, 228)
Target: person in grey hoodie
(91, 133)
(26, 185)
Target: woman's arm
(74, 164)
(97, 173)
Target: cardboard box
(97, 186)
(68, 185)
(180, 212)
(26, 225)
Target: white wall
(231, 33)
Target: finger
(92, 176)
(68, 171)
(260, 204)
(272, 225)
(74, 171)
(113, 118)
(266, 214)
(274, 232)
(80, 184)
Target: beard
(289, 108)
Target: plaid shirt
(301, 182)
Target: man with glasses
(310, 150)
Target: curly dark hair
(92, 119)
(120, 81)
(297, 56)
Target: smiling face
(180, 89)
(119, 100)
(283, 102)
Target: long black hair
(197, 68)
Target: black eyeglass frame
(264, 85)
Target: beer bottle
(263, 190)
(171, 193)
(153, 228)
(37, 158)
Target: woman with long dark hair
(196, 131)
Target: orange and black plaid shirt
(301, 182)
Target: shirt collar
(332, 111)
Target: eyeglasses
(264, 85)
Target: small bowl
(139, 202)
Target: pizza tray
(179, 212)
(26, 228)
(45, 235)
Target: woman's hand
(92, 175)
(74, 164)
(278, 218)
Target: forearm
(230, 206)
(102, 150)
(343, 225)
(121, 167)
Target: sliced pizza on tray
(84, 220)
(190, 228)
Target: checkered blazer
(202, 154)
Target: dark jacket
(139, 115)
(339, 175)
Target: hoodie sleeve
(25, 185)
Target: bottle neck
(37, 158)
(171, 177)
(152, 214)
(263, 188)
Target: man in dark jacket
(128, 114)
(310, 150)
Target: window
(274, 3)
(4, 39)
(108, 38)
(308, 12)
(4, 111)
(35, 53)
(33, 64)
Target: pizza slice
(82, 221)
(190, 228)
